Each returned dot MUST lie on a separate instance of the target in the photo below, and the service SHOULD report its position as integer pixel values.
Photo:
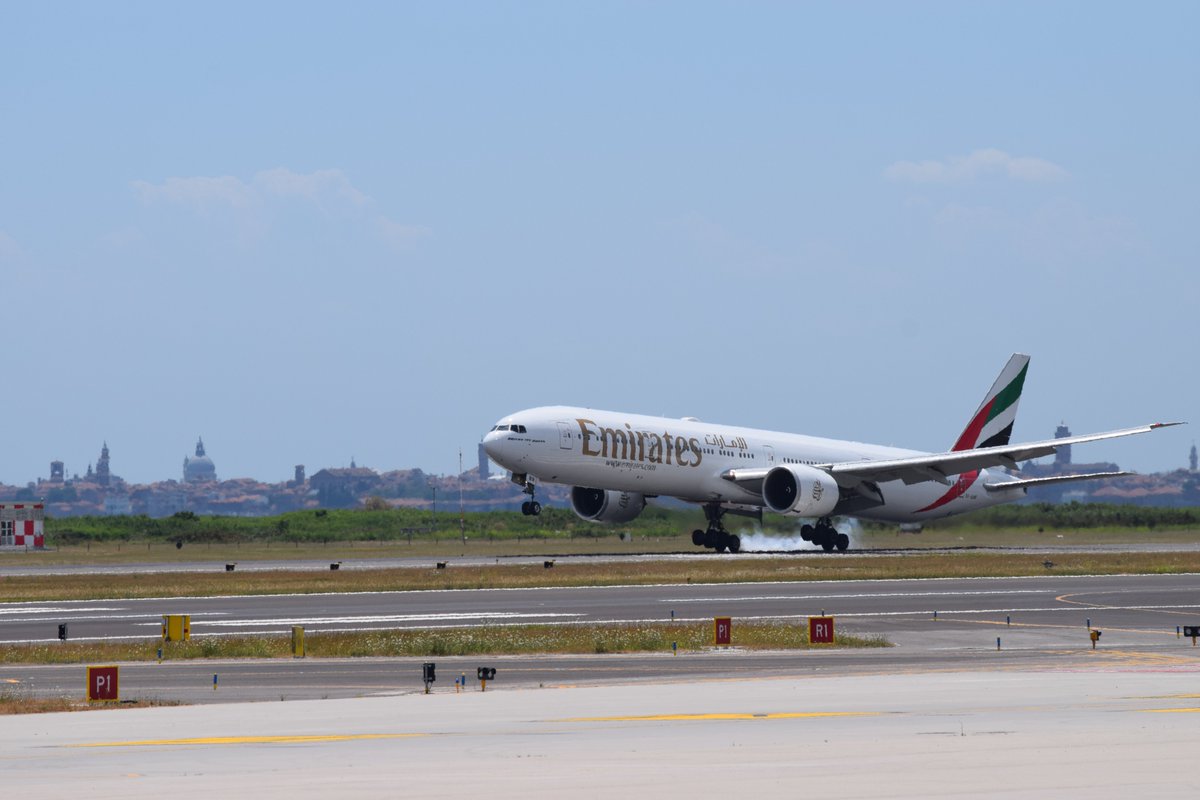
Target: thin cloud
(316, 186)
(199, 192)
(959, 169)
(327, 189)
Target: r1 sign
(820, 630)
(103, 683)
(722, 630)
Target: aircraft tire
(827, 545)
(535, 508)
(806, 532)
(843, 542)
(734, 542)
(525, 508)
(698, 538)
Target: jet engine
(600, 505)
(800, 491)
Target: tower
(103, 476)
(485, 471)
(1063, 456)
(56, 470)
(1192, 457)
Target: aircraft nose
(492, 441)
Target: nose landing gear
(531, 507)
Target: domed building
(199, 469)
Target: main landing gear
(825, 536)
(531, 507)
(716, 536)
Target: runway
(943, 713)
(934, 624)
(20, 564)
(1133, 608)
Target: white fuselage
(686, 458)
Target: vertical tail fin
(991, 426)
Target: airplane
(614, 461)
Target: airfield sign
(103, 684)
(820, 630)
(722, 630)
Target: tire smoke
(754, 540)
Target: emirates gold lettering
(641, 446)
(587, 437)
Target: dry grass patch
(14, 700)
(482, 640)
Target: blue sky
(311, 233)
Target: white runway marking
(201, 621)
(850, 596)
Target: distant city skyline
(313, 233)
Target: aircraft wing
(1000, 486)
(939, 466)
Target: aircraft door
(565, 441)
(768, 456)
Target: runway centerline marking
(224, 740)
(701, 717)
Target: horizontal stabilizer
(1025, 483)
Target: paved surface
(1095, 732)
(1044, 610)
(942, 714)
(20, 564)
(1042, 623)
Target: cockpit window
(518, 428)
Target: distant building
(199, 469)
(1063, 456)
(103, 474)
(56, 471)
(21, 524)
(117, 505)
(340, 488)
(485, 470)
(298, 480)
(1192, 457)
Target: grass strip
(482, 640)
(14, 700)
(715, 569)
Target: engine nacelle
(800, 491)
(606, 505)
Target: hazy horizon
(310, 233)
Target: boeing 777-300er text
(614, 461)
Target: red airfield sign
(103, 683)
(820, 630)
